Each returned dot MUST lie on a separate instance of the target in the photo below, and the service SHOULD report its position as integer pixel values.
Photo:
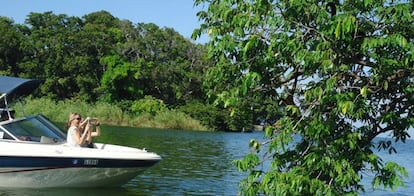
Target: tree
(66, 51)
(10, 53)
(341, 73)
(45, 48)
(99, 36)
(154, 61)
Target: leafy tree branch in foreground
(340, 72)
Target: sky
(177, 14)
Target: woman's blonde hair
(72, 116)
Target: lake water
(196, 163)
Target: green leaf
(330, 83)
(338, 30)
(364, 91)
(251, 43)
(269, 131)
(346, 106)
(255, 145)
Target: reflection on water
(194, 163)
(67, 192)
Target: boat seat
(46, 140)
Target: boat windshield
(33, 128)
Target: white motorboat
(34, 152)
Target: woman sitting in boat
(80, 133)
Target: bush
(110, 114)
(149, 105)
(60, 110)
(172, 119)
(208, 114)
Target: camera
(93, 120)
(90, 120)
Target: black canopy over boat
(12, 88)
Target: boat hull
(67, 177)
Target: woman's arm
(97, 131)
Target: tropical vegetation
(141, 69)
(337, 73)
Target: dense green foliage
(99, 58)
(335, 74)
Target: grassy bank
(108, 114)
